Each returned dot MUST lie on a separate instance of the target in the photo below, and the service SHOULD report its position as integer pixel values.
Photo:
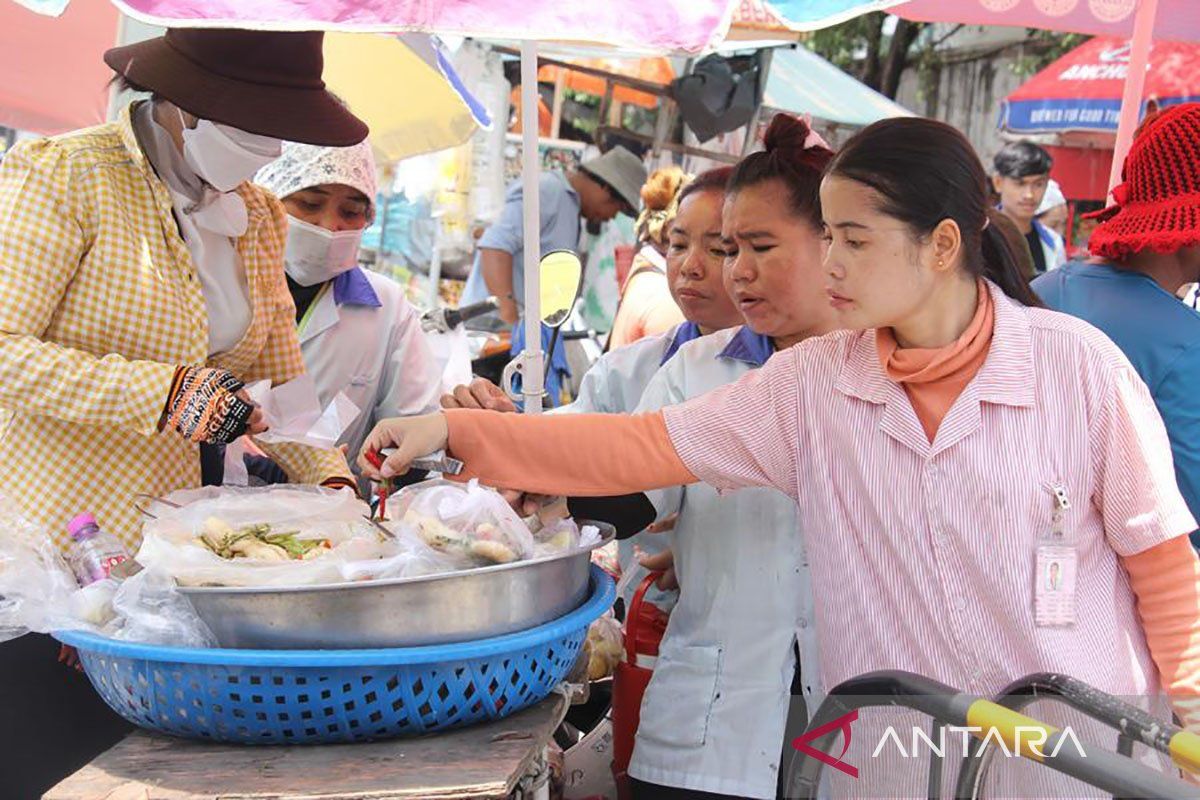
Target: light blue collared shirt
(559, 213)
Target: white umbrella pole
(531, 371)
(1135, 82)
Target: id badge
(1056, 569)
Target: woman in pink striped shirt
(943, 452)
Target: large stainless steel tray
(403, 612)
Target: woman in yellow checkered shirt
(141, 283)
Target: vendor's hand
(258, 422)
(662, 562)
(70, 656)
(479, 394)
(663, 525)
(508, 310)
(544, 505)
(208, 405)
(412, 437)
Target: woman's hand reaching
(412, 437)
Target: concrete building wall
(979, 70)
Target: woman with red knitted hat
(1144, 250)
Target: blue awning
(802, 82)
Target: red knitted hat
(1158, 204)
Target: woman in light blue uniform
(714, 716)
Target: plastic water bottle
(93, 553)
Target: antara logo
(842, 723)
(1028, 741)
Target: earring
(941, 264)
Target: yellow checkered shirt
(99, 304)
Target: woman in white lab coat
(713, 718)
(359, 335)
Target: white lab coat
(614, 385)
(713, 717)
(378, 356)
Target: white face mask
(316, 255)
(224, 156)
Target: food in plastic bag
(412, 558)
(606, 647)
(276, 536)
(466, 522)
(93, 604)
(558, 537)
(564, 535)
(259, 541)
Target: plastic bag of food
(558, 537)
(472, 524)
(271, 536)
(411, 558)
(564, 535)
(607, 647)
(39, 593)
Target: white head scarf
(301, 166)
(1053, 197)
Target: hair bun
(790, 136)
(660, 189)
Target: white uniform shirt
(614, 385)
(714, 716)
(369, 345)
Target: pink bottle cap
(79, 524)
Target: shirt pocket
(679, 700)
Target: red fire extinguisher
(645, 625)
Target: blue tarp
(802, 82)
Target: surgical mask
(316, 255)
(223, 156)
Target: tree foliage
(861, 48)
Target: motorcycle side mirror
(560, 275)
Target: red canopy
(1082, 90)
(1082, 172)
(52, 78)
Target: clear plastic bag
(148, 608)
(411, 558)
(606, 646)
(38, 593)
(171, 545)
(470, 523)
(564, 535)
(36, 587)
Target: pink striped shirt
(923, 553)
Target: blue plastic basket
(314, 696)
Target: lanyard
(308, 312)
